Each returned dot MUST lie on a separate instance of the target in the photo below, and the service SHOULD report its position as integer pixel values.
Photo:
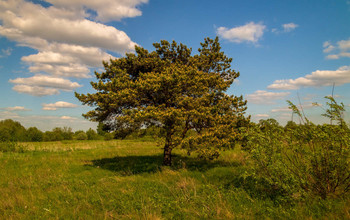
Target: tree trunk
(168, 145)
(167, 155)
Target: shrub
(108, 136)
(80, 135)
(306, 159)
(59, 134)
(92, 134)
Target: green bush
(108, 136)
(306, 158)
(92, 134)
(59, 134)
(80, 135)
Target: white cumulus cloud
(66, 60)
(70, 70)
(48, 57)
(41, 85)
(57, 105)
(250, 32)
(46, 81)
(265, 97)
(106, 10)
(35, 90)
(317, 78)
(62, 25)
(69, 36)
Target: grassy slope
(124, 180)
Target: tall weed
(11, 147)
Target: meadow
(124, 179)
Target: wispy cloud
(5, 52)
(315, 79)
(262, 115)
(289, 27)
(15, 108)
(281, 109)
(328, 47)
(250, 32)
(265, 97)
(305, 105)
(339, 50)
(57, 105)
(309, 96)
(8, 115)
(285, 28)
(67, 118)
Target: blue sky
(283, 50)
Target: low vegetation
(296, 171)
(124, 179)
(306, 159)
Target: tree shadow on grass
(259, 187)
(226, 178)
(130, 165)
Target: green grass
(125, 180)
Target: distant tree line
(13, 131)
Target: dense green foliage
(80, 135)
(12, 132)
(174, 90)
(34, 135)
(296, 171)
(303, 159)
(125, 180)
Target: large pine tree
(174, 90)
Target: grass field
(125, 180)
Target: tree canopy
(174, 90)
(12, 131)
